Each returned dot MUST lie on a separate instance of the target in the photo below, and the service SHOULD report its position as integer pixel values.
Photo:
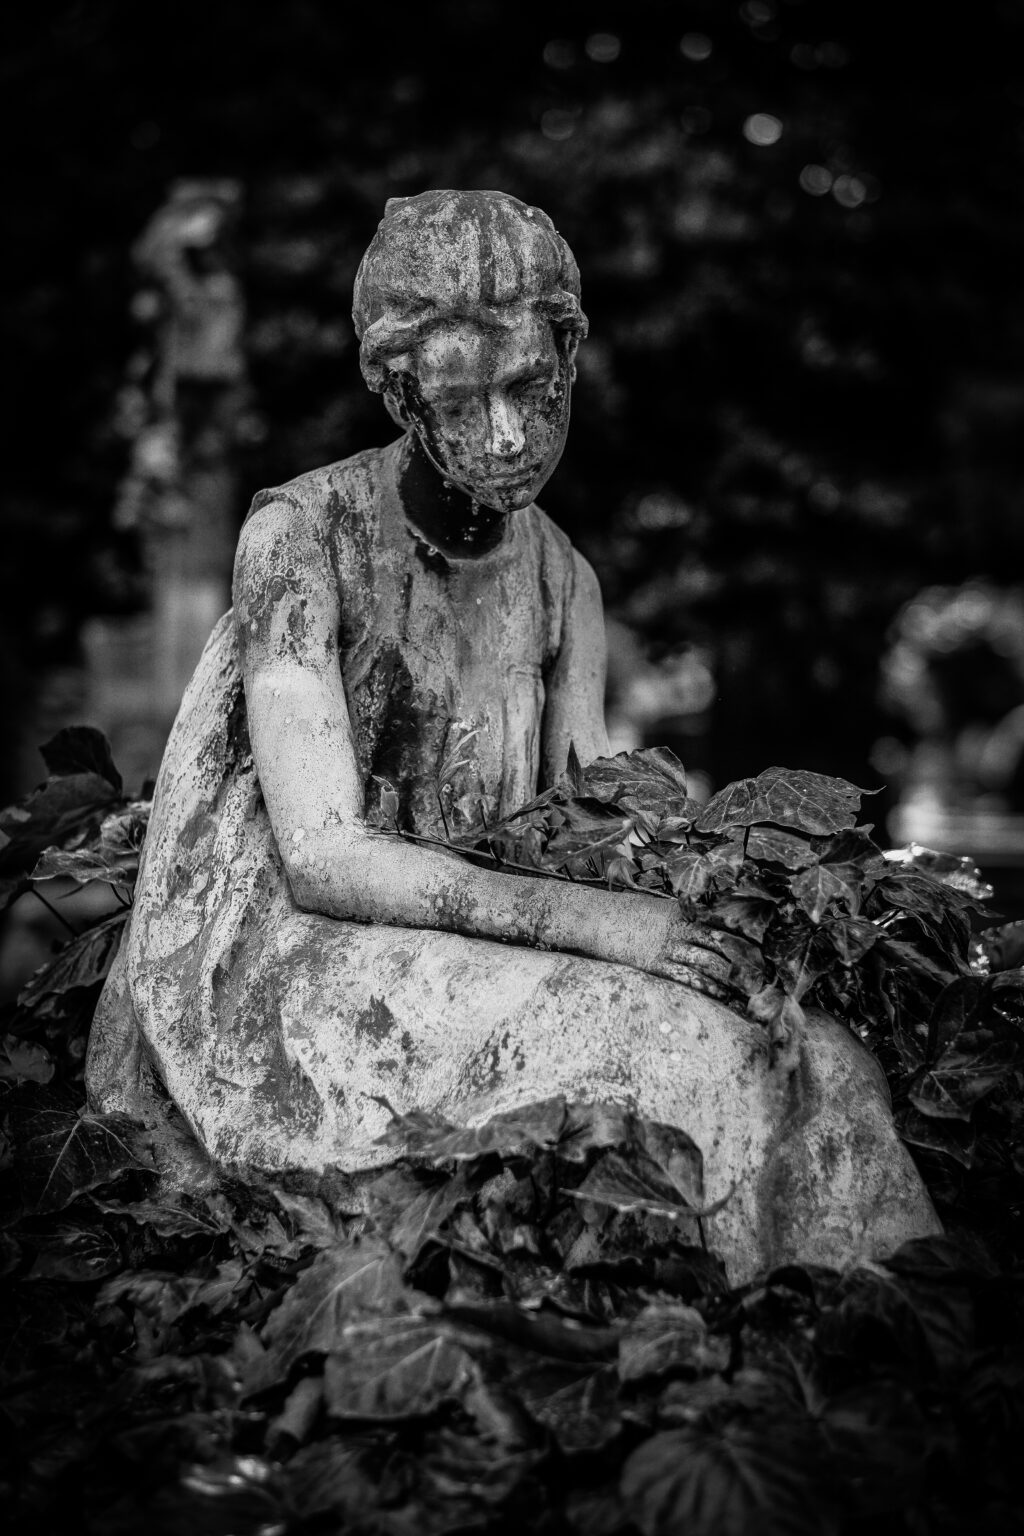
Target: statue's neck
(443, 516)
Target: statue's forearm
(376, 878)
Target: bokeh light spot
(762, 129)
(849, 191)
(757, 13)
(833, 55)
(603, 47)
(558, 124)
(695, 46)
(559, 53)
(816, 179)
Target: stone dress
(273, 1033)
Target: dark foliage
(483, 1337)
(520, 1324)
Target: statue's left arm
(574, 703)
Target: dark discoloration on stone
(376, 1021)
(431, 559)
(410, 716)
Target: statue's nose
(505, 430)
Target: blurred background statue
(181, 407)
(953, 680)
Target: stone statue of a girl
(409, 617)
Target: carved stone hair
(479, 256)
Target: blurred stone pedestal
(993, 839)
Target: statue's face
(491, 407)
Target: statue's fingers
(703, 958)
(700, 981)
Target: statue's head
(467, 308)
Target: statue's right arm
(288, 617)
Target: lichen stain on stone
(455, 908)
(375, 1020)
(395, 717)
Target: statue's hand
(695, 956)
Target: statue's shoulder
(327, 493)
(559, 558)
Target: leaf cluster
(77, 829)
(520, 1323)
(812, 915)
(515, 1325)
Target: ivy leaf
(800, 953)
(79, 1255)
(394, 1368)
(909, 958)
(785, 1021)
(574, 771)
(62, 811)
(958, 871)
(410, 1211)
(746, 961)
(588, 830)
(84, 865)
(954, 1009)
(766, 1005)
(66, 1155)
(113, 858)
(668, 1338)
(81, 963)
(820, 885)
(23, 1062)
(746, 915)
(814, 803)
(932, 1135)
(621, 871)
(673, 829)
(382, 810)
(653, 778)
(1003, 946)
(636, 1183)
(662, 1174)
(879, 1438)
(431, 1140)
(689, 874)
(577, 1404)
(741, 1478)
(592, 1126)
(770, 845)
(81, 749)
(343, 1283)
(850, 937)
(962, 1074)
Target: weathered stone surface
(410, 633)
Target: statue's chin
(507, 495)
(509, 500)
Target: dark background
(799, 229)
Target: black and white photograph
(512, 789)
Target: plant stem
(523, 869)
(53, 911)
